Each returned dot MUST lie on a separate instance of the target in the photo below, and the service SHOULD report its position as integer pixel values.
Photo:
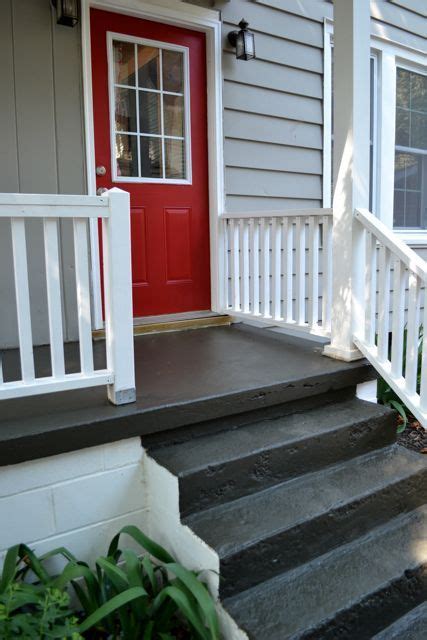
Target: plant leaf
(112, 605)
(144, 541)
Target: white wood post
(351, 171)
(118, 298)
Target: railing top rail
(285, 213)
(26, 205)
(390, 240)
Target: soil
(414, 437)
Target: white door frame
(178, 13)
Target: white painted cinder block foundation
(79, 500)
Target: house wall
(42, 144)
(273, 118)
(78, 500)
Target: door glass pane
(173, 115)
(127, 155)
(149, 112)
(173, 71)
(151, 157)
(148, 67)
(175, 159)
(149, 103)
(124, 63)
(125, 101)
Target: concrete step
(298, 602)
(274, 530)
(412, 626)
(220, 467)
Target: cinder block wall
(78, 500)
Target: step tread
(306, 597)
(412, 626)
(238, 524)
(191, 456)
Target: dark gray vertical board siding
(9, 174)
(42, 123)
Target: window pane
(399, 170)
(419, 92)
(151, 157)
(399, 209)
(413, 209)
(149, 112)
(402, 127)
(175, 159)
(173, 115)
(402, 88)
(124, 63)
(148, 67)
(413, 171)
(125, 101)
(173, 71)
(126, 155)
(418, 130)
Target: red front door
(150, 119)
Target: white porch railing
(279, 267)
(113, 209)
(395, 281)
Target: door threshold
(174, 322)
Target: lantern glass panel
(249, 45)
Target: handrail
(278, 267)
(114, 211)
(280, 213)
(392, 241)
(391, 270)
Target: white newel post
(118, 298)
(351, 171)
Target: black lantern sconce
(67, 12)
(243, 41)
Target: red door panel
(169, 212)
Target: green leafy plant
(388, 397)
(33, 610)
(126, 596)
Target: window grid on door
(174, 149)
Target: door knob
(101, 170)
(100, 191)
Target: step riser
(242, 418)
(216, 485)
(287, 550)
(375, 612)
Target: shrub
(125, 597)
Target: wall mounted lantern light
(67, 12)
(243, 41)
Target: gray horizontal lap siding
(273, 110)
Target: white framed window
(398, 132)
(149, 110)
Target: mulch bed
(414, 437)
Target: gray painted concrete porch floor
(182, 378)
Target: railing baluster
(234, 260)
(287, 268)
(384, 303)
(22, 292)
(265, 266)
(398, 324)
(244, 265)
(411, 368)
(53, 283)
(313, 272)
(370, 288)
(81, 253)
(327, 273)
(276, 261)
(423, 385)
(300, 270)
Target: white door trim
(181, 14)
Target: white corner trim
(181, 14)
